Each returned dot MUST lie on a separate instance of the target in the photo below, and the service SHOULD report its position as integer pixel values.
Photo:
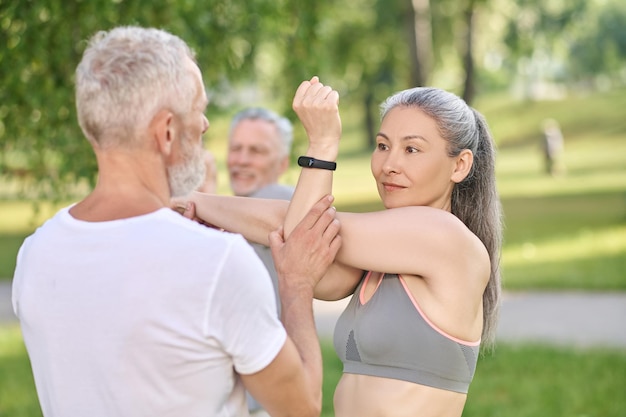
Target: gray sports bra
(390, 337)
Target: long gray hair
(475, 200)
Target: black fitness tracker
(308, 162)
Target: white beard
(187, 176)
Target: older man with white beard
(129, 309)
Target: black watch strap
(308, 162)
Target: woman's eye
(381, 146)
(411, 149)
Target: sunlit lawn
(568, 231)
(534, 380)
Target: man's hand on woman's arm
(292, 383)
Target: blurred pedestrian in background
(553, 147)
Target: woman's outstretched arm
(422, 241)
(253, 218)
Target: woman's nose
(391, 164)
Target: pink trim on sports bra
(362, 292)
(417, 307)
(427, 320)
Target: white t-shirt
(148, 316)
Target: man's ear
(163, 131)
(463, 166)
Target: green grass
(513, 381)
(333, 368)
(576, 241)
(531, 380)
(517, 123)
(9, 245)
(17, 387)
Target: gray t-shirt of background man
(273, 192)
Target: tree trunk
(369, 119)
(469, 85)
(421, 42)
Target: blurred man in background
(259, 146)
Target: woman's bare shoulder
(408, 240)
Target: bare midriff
(369, 396)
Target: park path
(580, 319)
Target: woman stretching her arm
(424, 271)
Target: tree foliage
(41, 141)
(364, 48)
(601, 48)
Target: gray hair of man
(283, 125)
(475, 200)
(126, 76)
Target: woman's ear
(463, 166)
